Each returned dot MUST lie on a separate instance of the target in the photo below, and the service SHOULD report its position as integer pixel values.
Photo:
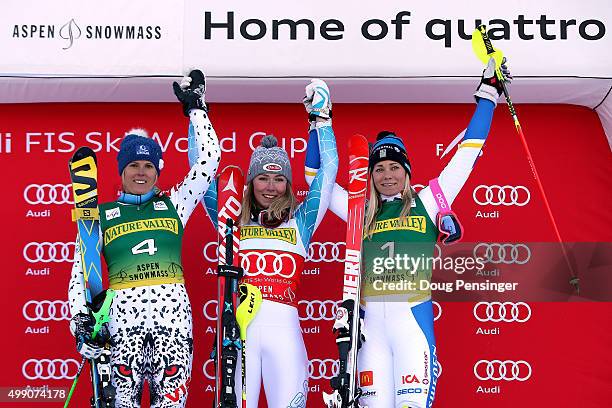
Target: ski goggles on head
(449, 227)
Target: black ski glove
(82, 326)
(191, 91)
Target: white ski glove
(490, 86)
(317, 100)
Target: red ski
(230, 185)
(346, 390)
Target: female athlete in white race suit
(397, 364)
(274, 240)
(150, 318)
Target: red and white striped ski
(230, 186)
(346, 390)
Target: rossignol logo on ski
(358, 174)
(345, 384)
(166, 224)
(283, 234)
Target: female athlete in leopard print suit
(150, 318)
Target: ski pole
(250, 301)
(74, 383)
(490, 52)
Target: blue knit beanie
(388, 146)
(137, 146)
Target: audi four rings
(314, 310)
(497, 312)
(501, 195)
(318, 310)
(497, 370)
(323, 369)
(49, 251)
(283, 265)
(318, 369)
(48, 194)
(46, 310)
(497, 253)
(317, 252)
(50, 369)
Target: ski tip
(231, 168)
(82, 152)
(231, 172)
(358, 145)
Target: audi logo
(268, 264)
(503, 253)
(502, 312)
(317, 252)
(317, 310)
(497, 370)
(501, 195)
(437, 310)
(46, 310)
(49, 251)
(208, 368)
(326, 252)
(210, 310)
(324, 369)
(48, 194)
(47, 369)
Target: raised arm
(338, 203)
(204, 151)
(457, 171)
(311, 211)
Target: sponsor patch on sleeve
(113, 213)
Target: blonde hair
(286, 202)
(375, 204)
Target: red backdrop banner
(561, 349)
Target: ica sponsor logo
(410, 378)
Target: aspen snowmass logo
(167, 224)
(284, 234)
(412, 223)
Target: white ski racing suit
(273, 260)
(150, 318)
